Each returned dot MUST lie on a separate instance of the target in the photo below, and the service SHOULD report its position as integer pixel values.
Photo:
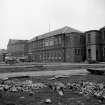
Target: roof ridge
(65, 29)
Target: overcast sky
(24, 19)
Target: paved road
(49, 65)
(3, 65)
(45, 73)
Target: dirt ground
(23, 67)
(40, 95)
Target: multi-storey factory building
(62, 45)
(17, 48)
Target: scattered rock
(80, 103)
(48, 101)
(22, 97)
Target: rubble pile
(19, 86)
(89, 88)
(82, 87)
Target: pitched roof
(102, 28)
(91, 31)
(65, 29)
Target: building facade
(102, 30)
(62, 45)
(17, 48)
(95, 45)
(3, 54)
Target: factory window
(43, 43)
(70, 38)
(51, 42)
(49, 55)
(97, 54)
(43, 56)
(39, 44)
(89, 53)
(32, 44)
(77, 51)
(104, 34)
(56, 41)
(46, 43)
(103, 51)
(81, 40)
(89, 39)
(59, 40)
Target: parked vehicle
(11, 60)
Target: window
(77, 51)
(89, 39)
(59, 40)
(43, 43)
(43, 56)
(104, 34)
(36, 44)
(81, 39)
(39, 44)
(89, 53)
(51, 42)
(97, 53)
(103, 51)
(49, 55)
(52, 55)
(56, 41)
(46, 43)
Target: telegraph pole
(49, 27)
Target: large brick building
(95, 45)
(62, 45)
(102, 30)
(17, 48)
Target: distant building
(17, 48)
(62, 45)
(3, 54)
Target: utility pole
(49, 27)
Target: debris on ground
(48, 101)
(55, 88)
